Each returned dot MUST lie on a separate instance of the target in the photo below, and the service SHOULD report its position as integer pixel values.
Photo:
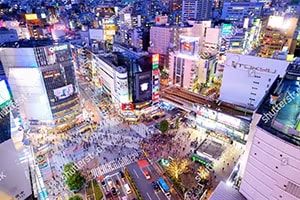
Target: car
(155, 117)
(154, 185)
(108, 195)
(127, 189)
(147, 175)
(45, 164)
(117, 182)
(109, 181)
(103, 183)
(122, 174)
(114, 191)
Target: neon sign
(58, 48)
(59, 27)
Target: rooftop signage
(234, 61)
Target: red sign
(127, 106)
(155, 72)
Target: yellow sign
(31, 16)
(290, 58)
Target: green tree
(73, 177)
(163, 126)
(76, 197)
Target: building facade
(44, 74)
(196, 10)
(271, 157)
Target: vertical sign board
(155, 77)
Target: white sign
(144, 86)
(247, 79)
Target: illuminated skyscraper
(43, 72)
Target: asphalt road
(144, 185)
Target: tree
(203, 173)
(73, 177)
(163, 126)
(177, 167)
(177, 123)
(76, 197)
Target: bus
(164, 187)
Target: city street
(144, 185)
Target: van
(127, 189)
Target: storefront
(232, 127)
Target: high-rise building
(272, 153)
(43, 72)
(196, 10)
(278, 36)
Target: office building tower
(278, 36)
(196, 10)
(43, 72)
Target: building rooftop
(225, 192)
(280, 109)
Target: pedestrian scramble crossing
(114, 165)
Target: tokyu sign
(234, 61)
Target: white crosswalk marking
(114, 165)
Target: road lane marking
(148, 196)
(136, 173)
(156, 195)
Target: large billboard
(143, 86)
(4, 93)
(127, 106)
(246, 79)
(188, 45)
(31, 16)
(63, 92)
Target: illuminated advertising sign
(127, 106)
(143, 86)
(226, 29)
(188, 45)
(235, 44)
(59, 27)
(231, 121)
(60, 48)
(155, 72)
(31, 17)
(63, 92)
(155, 58)
(43, 15)
(11, 24)
(4, 93)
